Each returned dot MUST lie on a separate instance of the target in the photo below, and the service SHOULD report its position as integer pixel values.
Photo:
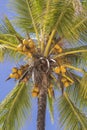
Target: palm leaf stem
(49, 42)
(35, 28)
(54, 78)
(44, 25)
(8, 43)
(69, 53)
(42, 46)
(74, 68)
(42, 42)
(7, 35)
(9, 47)
(47, 9)
(68, 78)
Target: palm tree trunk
(42, 100)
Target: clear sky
(6, 87)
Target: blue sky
(6, 87)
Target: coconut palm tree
(52, 47)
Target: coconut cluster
(61, 70)
(36, 91)
(39, 65)
(17, 73)
(57, 49)
(66, 82)
(27, 47)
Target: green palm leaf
(84, 3)
(83, 86)
(72, 51)
(23, 18)
(9, 39)
(70, 116)
(15, 108)
(7, 28)
(51, 109)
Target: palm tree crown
(53, 44)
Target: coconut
(34, 94)
(66, 84)
(57, 70)
(14, 70)
(25, 49)
(25, 42)
(20, 47)
(63, 69)
(63, 80)
(31, 43)
(20, 72)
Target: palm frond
(15, 108)
(6, 27)
(23, 17)
(9, 49)
(8, 32)
(72, 51)
(67, 24)
(83, 86)
(2, 53)
(51, 110)
(79, 27)
(60, 16)
(79, 60)
(84, 3)
(70, 116)
(8, 39)
(77, 93)
(74, 90)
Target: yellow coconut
(25, 49)
(20, 72)
(14, 70)
(56, 46)
(25, 42)
(29, 55)
(20, 47)
(66, 84)
(57, 70)
(34, 94)
(63, 69)
(60, 50)
(31, 43)
(14, 75)
(17, 76)
(63, 80)
(36, 89)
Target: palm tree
(53, 44)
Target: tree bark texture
(42, 101)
